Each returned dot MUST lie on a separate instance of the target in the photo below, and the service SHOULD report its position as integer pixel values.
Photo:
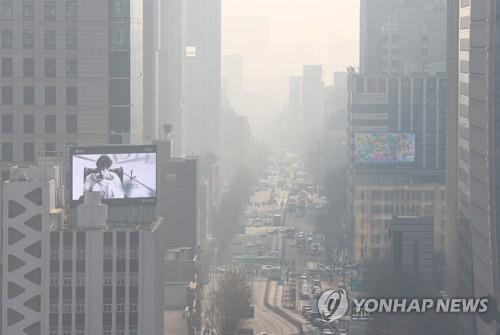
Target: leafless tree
(232, 302)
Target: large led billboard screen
(120, 173)
(384, 148)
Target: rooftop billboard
(384, 148)
(120, 173)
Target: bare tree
(232, 302)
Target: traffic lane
(266, 320)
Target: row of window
(67, 281)
(403, 195)
(67, 308)
(50, 39)
(50, 96)
(120, 307)
(120, 279)
(120, 253)
(29, 67)
(28, 10)
(29, 124)
(67, 254)
(28, 152)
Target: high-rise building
(402, 37)
(151, 59)
(71, 73)
(202, 117)
(414, 104)
(87, 276)
(178, 195)
(171, 75)
(295, 95)
(375, 201)
(312, 100)
(478, 149)
(232, 71)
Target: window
(50, 10)
(50, 124)
(119, 64)
(6, 10)
(7, 124)
(71, 39)
(71, 10)
(29, 124)
(50, 96)
(67, 307)
(71, 124)
(80, 280)
(50, 149)
(7, 152)
(108, 279)
(54, 308)
(50, 67)
(28, 67)
(50, 39)
(7, 39)
(29, 152)
(71, 96)
(28, 39)
(190, 51)
(7, 95)
(7, 67)
(28, 10)
(80, 308)
(29, 95)
(71, 67)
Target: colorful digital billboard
(384, 148)
(119, 173)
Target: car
(305, 309)
(303, 276)
(328, 331)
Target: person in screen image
(104, 180)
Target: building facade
(403, 104)
(71, 74)
(202, 115)
(375, 204)
(479, 144)
(88, 275)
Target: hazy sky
(277, 36)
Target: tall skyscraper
(232, 71)
(402, 37)
(71, 73)
(151, 59)
(312, 101)
(202, 119)
(171, 75)
(478, 151)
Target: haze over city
(249, 167)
